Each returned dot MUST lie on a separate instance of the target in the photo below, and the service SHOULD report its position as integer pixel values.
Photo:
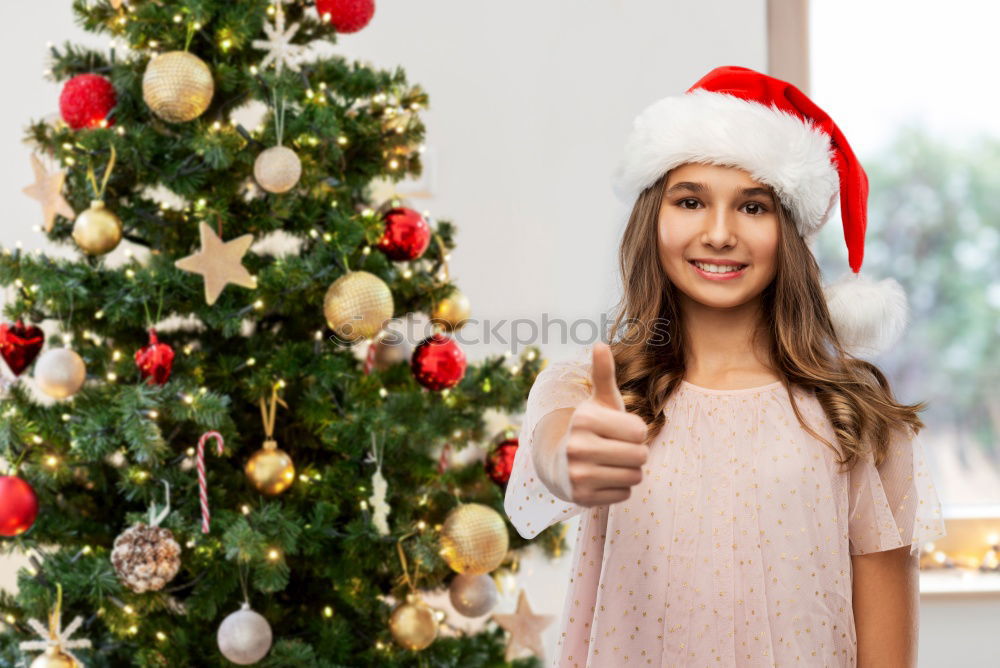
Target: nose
(720, 228)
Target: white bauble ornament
(473, 595)
(60, 372)
(244, 636)
(277, 169)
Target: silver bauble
(277, 169)
(244, 637)
(388, 350)
(473, 595)
(60, 372)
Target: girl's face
(718, 215)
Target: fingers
(605, 497)
(593, 484)
(607, 452)
(603, 378)
(609, 423)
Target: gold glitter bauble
(473, 539)
(270, 469)
(60, 372)
(413, 624)
(277, 169)
(357, 305)
(54, 658)
(452, 311)
(177, 86)
(97, 230)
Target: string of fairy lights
(129, 621)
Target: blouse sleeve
(529, 504)
(896, 503)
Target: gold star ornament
(219, 262)
(525, 628)
(47, 189)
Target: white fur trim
(774, 146)
(869, 316)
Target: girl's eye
(759, 209)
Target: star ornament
(280, 50)
(219, 262)
(525, 628)
(47, 189)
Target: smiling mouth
(718, 269)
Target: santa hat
(738, 117)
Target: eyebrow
(690, 186)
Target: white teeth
(718, 268)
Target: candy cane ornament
(202, 483)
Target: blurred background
(530, 103)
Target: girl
(750, 491)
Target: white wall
(530, 105)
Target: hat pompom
(868, 316)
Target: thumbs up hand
(604, 448)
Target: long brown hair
(795, 323)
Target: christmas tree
(214, 452)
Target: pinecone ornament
(146, 557)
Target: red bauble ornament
(18, 506)
(86, 100)
(347, 15)
(406, 236)
(19, 345)
(155, 360)
(500, 461)
(438, 362)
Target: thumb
(603, 378)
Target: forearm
(545, 444)
(885, 592)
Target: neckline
(706, 390)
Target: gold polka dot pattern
(735, 549)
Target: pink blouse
(735, 548)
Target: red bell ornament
(406, 235)
(155, 360)
(20, 345)
(438, 363)
(18, 506)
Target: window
(911, 88)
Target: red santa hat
(738, 117)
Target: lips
(738, 270)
